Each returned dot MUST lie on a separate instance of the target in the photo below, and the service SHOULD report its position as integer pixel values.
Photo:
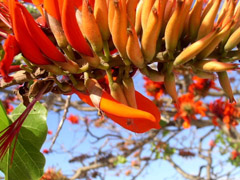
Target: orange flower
(225, 111)
(71, 29)
(201, 86)
(154, 89)
(26, 43)
(39, 38)
(140, 120)
(188, 108)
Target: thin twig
(66, 107)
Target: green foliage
(235, 162)
(28, 161)
(120, 160)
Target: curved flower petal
(38, 4)
(26, 44)
(42, 41)
(71, 29)
(11, 49)
(52, 8)
(140, 120)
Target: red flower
(39, 38)
(188, 108)
(235, 154)
(224, 111)
(49, 132)
(11, 49)
(201, 86)
(6, 103)
(72, 30)
(26, 43)
(154, 89)
(73, 119)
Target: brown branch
(108, 161)
(181, 171)
(66, 107)
(207, 158)
(22, 76)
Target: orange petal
(42, 41)
(26, 44)
(52, 8)
(71, 29)
(136, 120)
(38, 4)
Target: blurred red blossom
(188, 108)
(49, 132)
(212, 143)
(53, 174)
(73, 119)
(7, 104)
(224, 111)
(154, 89)
(128, 172)
(201, 86)
(235, 154)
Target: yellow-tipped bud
(129, 92)
(214, 66)
(208, 21)
(233, 40)
(195, 19)
(133, 49)
(146, 9)
(170, 86)
(119, 27)
(173, 28)
(225, 84)
(191, 51)
(215, 42)
(153, 29)
(138, 26)
(131, 11)
(90, 27)
(101, 16)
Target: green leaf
(4, 123)
(28, 161)
(163, 123)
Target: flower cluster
(201, 86)
(224, 111)
(154, 89)
(53, 174)
(188, 108)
